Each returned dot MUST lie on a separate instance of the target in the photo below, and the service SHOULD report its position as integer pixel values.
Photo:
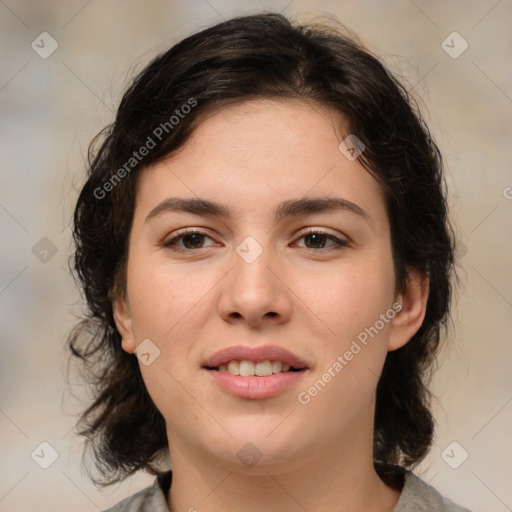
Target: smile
(260, 369)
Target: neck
(341, 478)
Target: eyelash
(171, 244)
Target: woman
(264, 247)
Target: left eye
(194, 240)
(319, 238)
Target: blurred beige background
(51, 108)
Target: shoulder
(150, 499)
(418, 496)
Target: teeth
(246, 368)
(233, 367)
(263, 369)
(277, 366)
(249, 368)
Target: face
(286, 260)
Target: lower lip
(255, 388)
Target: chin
(258, 446)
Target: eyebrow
(290, 208)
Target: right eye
(190, 238)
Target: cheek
(352, 297)
(170, 305)
(162, 297)
(352, 356)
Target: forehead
(278, 121)
(262, 152)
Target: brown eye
(318, 240)
(190, 240)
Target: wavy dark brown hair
(244, 58)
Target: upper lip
(255, 354)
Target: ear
(123, 320)
(414, 305)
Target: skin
(305, 294)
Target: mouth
(261, 361)
(246, 368)
(255, 372)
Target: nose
(255, 292)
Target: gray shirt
(416, 496)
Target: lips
(251, 382)
(254, 354)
